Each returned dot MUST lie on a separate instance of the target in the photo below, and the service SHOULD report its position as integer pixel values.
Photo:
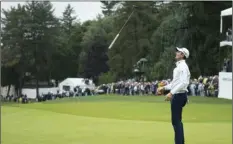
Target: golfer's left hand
(168, 97)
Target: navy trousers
(178, 101)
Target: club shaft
(126, 22)
(120, 30)
(113, 41)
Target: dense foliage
(39, 46)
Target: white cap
(185, 51)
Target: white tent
(70, 83)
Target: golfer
(178, 92)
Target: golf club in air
(118, 34)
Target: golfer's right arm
(168, 87)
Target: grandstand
(225, 76)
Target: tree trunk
(37, 71)
(56, 83)
(48, 83)
(49, 78)
(20, 86)
(37, 87)
(16, 90)
(8, 90)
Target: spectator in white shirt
(192, 88)
(142, 89)
(135, 89)
(201, 91)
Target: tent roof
(226, 12)
(74, 81)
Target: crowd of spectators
(203, 86)
(47, 96)
(11, 98)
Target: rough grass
(115, 119)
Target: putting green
(114, 120)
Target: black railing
(227, 35)
(227, 65)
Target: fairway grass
(115, 120)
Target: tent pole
(221, 24)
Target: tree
(42, 33)
(192, 27)
(94, 55)
(202, 36)
(108, 7)
(67, 57)
(16, 55)
(134, 40)
(106, 78)
(68, 20)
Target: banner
(225, 85)
(31, 93)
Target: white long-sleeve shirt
(181, 77)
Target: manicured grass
(115, 120)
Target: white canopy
(226, 12)
(71, 83)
